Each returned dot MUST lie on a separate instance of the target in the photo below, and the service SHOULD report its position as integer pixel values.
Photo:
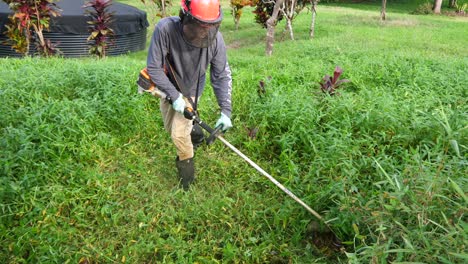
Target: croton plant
(99, 26)
(30, 19)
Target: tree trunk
(382, 11)
(437, 6)
(289, 14)
(235, 14)
(271, 24)
(289, 28)
(452, 3)
(236, 20)
(314, 14)
(38, 29)
(28, 41)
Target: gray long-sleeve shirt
(190, 63)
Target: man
(180, 52)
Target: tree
(269, 12)
(236, 9)
(383, 10)
(452, 3)
(290, 9)
(437, 6)
(314, 4)
(264, 10)
(271, 24)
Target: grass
(88, 171)
(397, 6)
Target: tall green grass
(87, 171)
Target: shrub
(236, 9)
(31, 18)
(99, 26)
(423, 9)
(461, 9)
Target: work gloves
(179, 104)
(225, 122)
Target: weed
(331, 84)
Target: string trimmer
(146, 85)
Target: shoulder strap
(172, 75)
(177, 82)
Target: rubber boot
(186, 171)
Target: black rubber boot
(186, 169)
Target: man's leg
(180, 128)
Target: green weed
(87, 171)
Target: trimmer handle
(205, 126)
(189, 113)
(188, 110)
(213, 132)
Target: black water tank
(70, 30)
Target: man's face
(200, 35)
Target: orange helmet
(201, 20)
(206, 11)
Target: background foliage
(99, 26)
(27, 24)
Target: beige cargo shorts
(179, 128)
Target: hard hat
(201, 20)
(208, 11)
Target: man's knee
(184, 147)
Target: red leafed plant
(331, 84)
(99, 27)
(31, 18)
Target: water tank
(71, 30)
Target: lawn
(87, 171)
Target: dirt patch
(455, 13)
(234, 45)
(323, 239)
(401, 22)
